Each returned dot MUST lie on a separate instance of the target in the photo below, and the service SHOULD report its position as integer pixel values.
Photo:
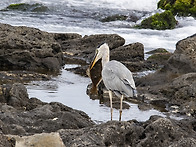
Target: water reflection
(70, 89)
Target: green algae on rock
(179, 7)
(159, 21)
(28, 7)
(114, 18)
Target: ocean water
(83, 17)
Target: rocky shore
(28, 54)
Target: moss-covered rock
(114, 18)
(160, 56)
(159, 21)
(158, 50)
(28, 7)
(179, 7)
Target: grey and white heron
(116, 77)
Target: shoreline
(31, 50)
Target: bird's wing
(118, 78)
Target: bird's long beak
(93, 61)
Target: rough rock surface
(28, 48)
(155, 132)
(20, 76)
(85, 47)
(175, 82)
(39, 140)
(6, 141)
(130, 52)
(184, 57)
(22, 116)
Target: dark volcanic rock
(158, 50)
(44, 118)
(182, 92)
(19, 76)
(85, 47)
(131, 52)
(29, 49)
(155, 132)
(176, 81)
(21, 115)
(184, 57)
(6, 141)
(27, 7)
(114, 18)
(15, 95)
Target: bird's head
(101, 51)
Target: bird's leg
(110, 95)
(121, 99)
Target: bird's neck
(106, 57)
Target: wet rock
(39, 140)
(157, 131)
(183, 60)
(44, 118)
(19, 76)
(15, 95)
(175, 82)
(21, 115)
(178, 7)
(27, 7)
(184, 142)
(60, 37)
(182, 91)
(29, 49)
(131, 52)
(159, 21)
(160, 58)
(158, 50)
(114, 18)
(164, 132)
(107, 134)
(6, 141)
(85, 47)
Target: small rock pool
(70, 89)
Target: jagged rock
(15, 95)
(176, 81)
(85, 47)
(21, 115)
(20, 76)
(29, 49)
(184, 58)
(155, 132)
(43, 118)
(158, 50)
(27, 7)
(114, 18)
(6, 141)
(130, 52)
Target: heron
(116, 77)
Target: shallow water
(70, 89)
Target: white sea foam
(142, 5)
